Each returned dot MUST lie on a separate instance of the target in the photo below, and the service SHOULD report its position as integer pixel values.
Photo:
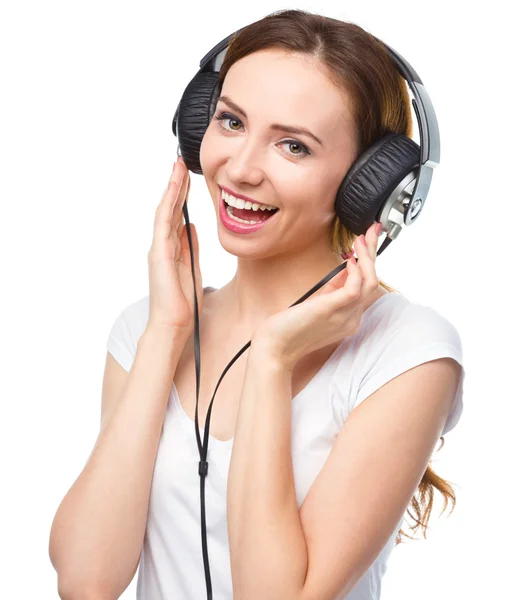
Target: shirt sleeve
(118, 343)
(122, 342)
(419, 335)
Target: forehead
(290, 88)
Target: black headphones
(389, 183)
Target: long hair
(354, 61)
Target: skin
(245, 155)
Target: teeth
(239, 203)
(232, 216)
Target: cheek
(212, 152)
(320, 205)
(311, 192)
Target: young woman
(323, 430)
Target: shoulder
(395, 335)
(394, 330)
(126, 330)
(394, 317)
(136, 315)
(131, 321)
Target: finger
(353, 285)
(335, 283)
(363, 257)
(181, 178)
(186, 252)
(372, 240)
(366, 264)
(162, 213)
(177, 214)
(180, 210)
(167, 198)
(163, 217)
(184, 246)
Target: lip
(235, 226)
(246, 198)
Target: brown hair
(357, 62)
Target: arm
(98, 530)
(267, 546)
(349, 514)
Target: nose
(243, 166)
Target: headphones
(389, 183)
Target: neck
(263, 287)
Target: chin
(243, 248)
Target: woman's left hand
(329, 315)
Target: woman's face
(292, 171)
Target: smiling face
(293, 171)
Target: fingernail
(363, 240)
(378, 229)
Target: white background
(88, 93)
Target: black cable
(203, 464)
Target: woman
(322, 431)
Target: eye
(229, 117)
(223, 116)
(295, 143)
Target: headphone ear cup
(194, 113)
(372, 178)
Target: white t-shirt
(395, 335)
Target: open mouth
(241, 220)
(249, 216)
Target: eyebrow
(274, 126)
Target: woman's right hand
(169, 259)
